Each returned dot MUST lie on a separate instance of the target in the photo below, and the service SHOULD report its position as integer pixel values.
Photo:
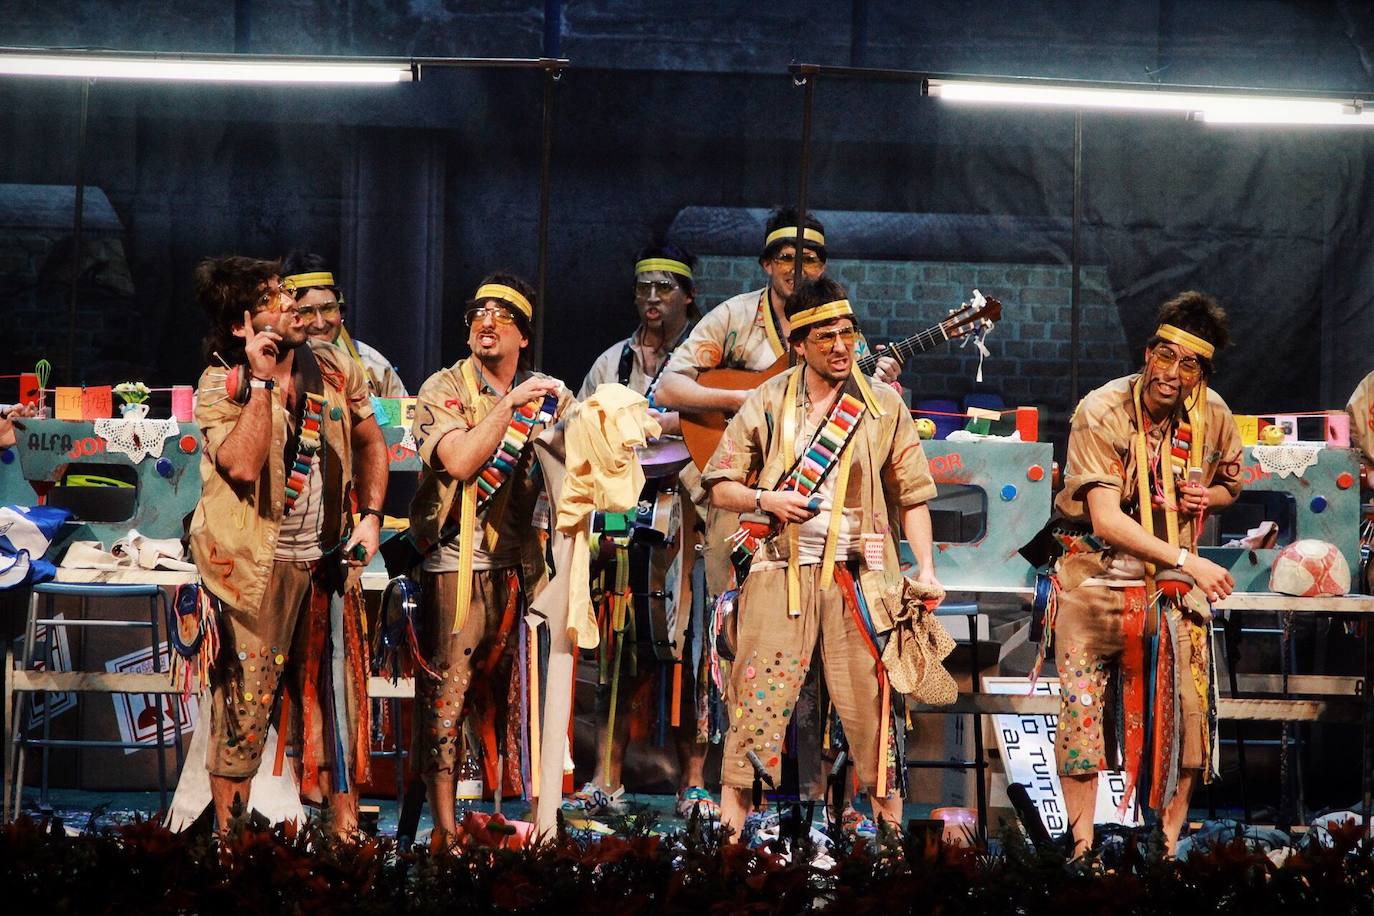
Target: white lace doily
(136, 438)
(1286, 459)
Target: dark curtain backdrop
(416, 191)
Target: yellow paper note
(1248, 426)
(97, 403)
(69, 404)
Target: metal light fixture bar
(243, 68)
(1211, 104)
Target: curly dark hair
(226, 288)
(810, 294)
(785, 218)
(1200, 315)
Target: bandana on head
(505, 294)
(668, 264)
(1184, 339)
(840, 308)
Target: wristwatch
(266, 383)
(1182, 558)
(758, 501)
(365, 512)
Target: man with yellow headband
(289, 434)
(472, 519)
(749, 331)
(1149, 456)
(308, 278)
(836, 468)
(665, 298)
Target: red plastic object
(188, 444)
(1035, 473)
(1345, 480)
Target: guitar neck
(918, 343)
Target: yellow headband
(840, 308)
(1184, 339)
(307, 281)
(668, 264)
(506, 294)
(791, 233)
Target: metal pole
(551, 74)
(807, 80)
(78, 205)
(1075, 303)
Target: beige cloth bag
(917, 646)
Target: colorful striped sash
(307, 445)
(808, 472)
(502, 464)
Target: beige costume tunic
(483, 650)
(1088, 628)
(888, 473)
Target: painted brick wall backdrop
(1028, 350)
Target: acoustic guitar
(701, 430)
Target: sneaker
(592, 799)
(696, 799)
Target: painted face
(781, 269)
(276, 310)
(493, 331)
(321, 314)
(829, 348)
(1171, 373)
(659, 299)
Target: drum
(656, 567)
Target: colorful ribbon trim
(307, 445)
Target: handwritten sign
(97, 402)
(1027, 746)
(68, 403)
(387, 410)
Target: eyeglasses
(1188, 366)
(271, 301)
(643, 288)
(826, 340)
(811, 263)
(325, 310)
(497, 313)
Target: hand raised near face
(260, 347)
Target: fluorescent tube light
(1213, 107)
(228, 69)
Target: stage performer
(665, 300)
(834, 565)
(290, 441)
(1361, 410)
(472, 514)
(748, 331)
(308, 278)
(1149, 456)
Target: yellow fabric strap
(770, 324)
(346, 342)
(793, 233)
(832, 534)
(865, 391)
(1184, 339)
(789, 436)
(668, 264)
(505, 294)
(307, 281)
(1197, 419)
(467, 519)
(840, 308)
(1144, 495)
